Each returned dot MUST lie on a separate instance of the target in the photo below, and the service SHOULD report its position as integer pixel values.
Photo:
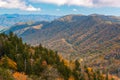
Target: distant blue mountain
(8, 20)
(2, 29)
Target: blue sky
(60, 7)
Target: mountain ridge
(8, 20)
(75, 30)
(93, 38)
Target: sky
(60, 7)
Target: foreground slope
(19, 61)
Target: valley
(93, 38)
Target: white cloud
(87, 3)
(17, 4)
(58, 2)
(75, 10)
(80, 2)
(31, 8)
(106, 3)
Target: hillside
(23, 29)
(2, 29)
(95, 38)
(74, 33)
(19, 61)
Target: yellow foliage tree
(10, 63)
(71, 78)
(19, 76)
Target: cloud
(106, 3)
(31, 8)
(86, 3)
(58, 2)
(75, 10)
(17, 4)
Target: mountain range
(71, 33)
(8, 20)
(95, 38)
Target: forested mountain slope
(21, 61)
(72, 33)
(94, 38)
